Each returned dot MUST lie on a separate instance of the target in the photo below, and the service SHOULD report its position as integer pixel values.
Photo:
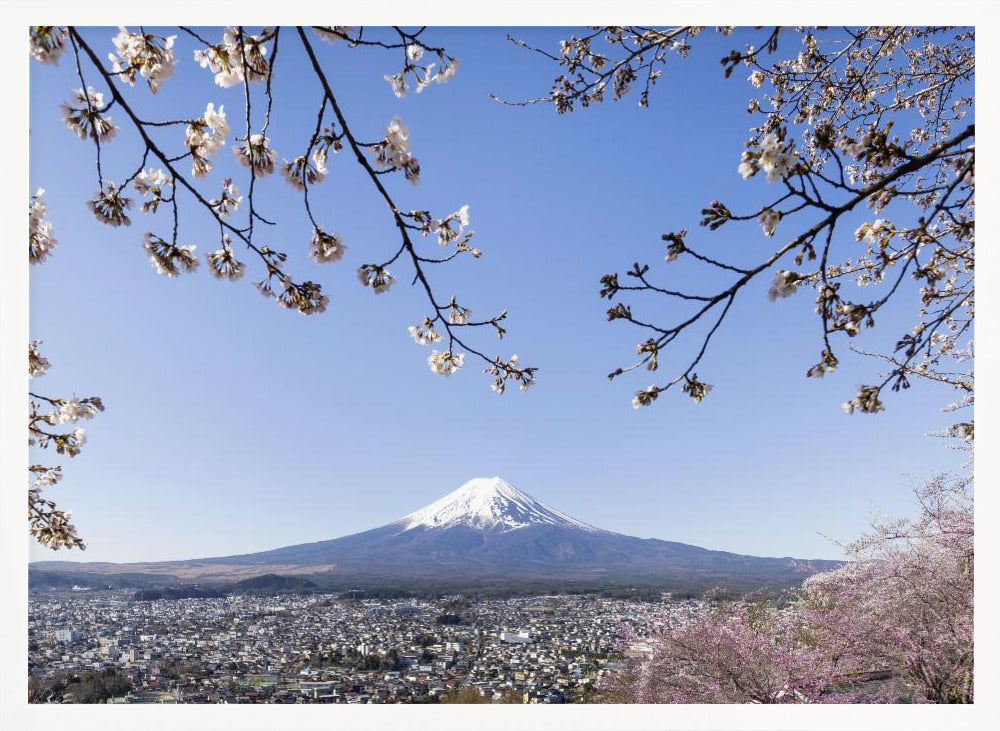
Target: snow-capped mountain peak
(489, 503)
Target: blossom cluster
(646, 396)
(38, 364)
(828, 364)
(425, 334)
(510, 370)
(110, 206)
(879, 231)
(775, 158)
(304, 171)
(445, 362)
(307, 298)
(152, 182)
(228, 201)
(377, 277)
(768, 220)
(457, 314)
(237, 57)
(223, 264)
(867, 401)
(169, 259)
(393, 152)
(40, 238)
(333, 33)
(423, 76)
(204, 137)
(152, 57)
(785, 284)
(46, 43)
(696, 389)
(325, 247)
(72, 410)
(255, 153)
(49, 525)
(452, 227)
(83, 116)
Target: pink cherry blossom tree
(747, 651)
(902, 608)
(906, 600)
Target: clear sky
(234, 426)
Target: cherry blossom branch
(501, 370)
(844, 96)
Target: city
(335, 649)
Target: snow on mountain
(489, 503)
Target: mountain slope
(488, 527)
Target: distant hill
(273, 582)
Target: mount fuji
(487, 528)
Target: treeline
(389, 589)
(91, 687)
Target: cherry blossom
(445, 362)
(151, 56)
(40, 238)
(83, 116)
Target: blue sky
(233, 425)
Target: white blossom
(443, 227)
(224, 265)
(425, 334)
(83, 116)
(216, 120)
(393, 153)
(76, 440)
(325, 247)
(774, 160)
(333, 33)
(204, 137)
(109, 206)
(445, 362)
(47, 477)
(398, 84)
(299, 172)
(646, 397)
(229, 201)
(850, 146)
(232, 62)
(768, 220)
(72, 410)
(376, 277)
(458, 315)
(152, 182)
(40, 238)
(748, 165)
(142, 53)
(46, 43)
(307, 298)
(168, 259)
(448, 72)
(867, 401)
(37, 363)
(414, 52)
(255, 153)
(319, 159)
(425, 75)
(785, 284)
(871, 232)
